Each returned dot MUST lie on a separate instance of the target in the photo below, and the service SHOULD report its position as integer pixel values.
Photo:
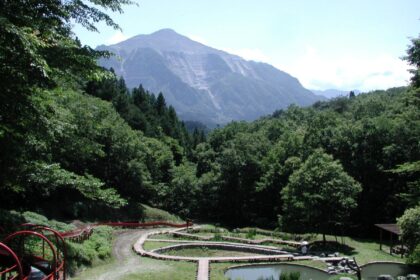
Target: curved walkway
(125, 261)
(242, 240)
(203, 263)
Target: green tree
(410, 227)
(160, 104)
(38, 51)
(181, 196)
(319, 195)
(412, 171)
(413, 58)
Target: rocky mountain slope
(203, 83)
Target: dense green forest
(76, 143)
(369, 137)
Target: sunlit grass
(151, 245)
(207, 252)
(364, 250)
(163, 270)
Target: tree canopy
(319, 196)
(76, 142)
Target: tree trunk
(324, 240)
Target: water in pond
(369, 271)
(373, 270)
(256, 272)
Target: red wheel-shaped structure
(60, 246)
(28, 260)
(10, 267)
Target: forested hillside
(76, 143)
(244, 167)
(63, 152)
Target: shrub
(38, 219)
(410, 224)
(251, 233)
(97, 247)
(414, 257)
(217, 237)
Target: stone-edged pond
(266, 271)
(370, 271)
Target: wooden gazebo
(393, 229)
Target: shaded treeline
(76, 143)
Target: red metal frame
(16, 267)
(59, 261)
(23, 233)
(60, 266)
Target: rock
(345, 278)
(412, 277)
(385, 277)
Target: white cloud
(116, 38)
(198, 39)
(248, 54)
(378, 71)
(348, 71)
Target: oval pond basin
(369, 271)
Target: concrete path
(203, 270)
(204, 243)
(125, 262)
(204, 263)
(238, 239)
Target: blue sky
(324, 43)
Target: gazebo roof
(390, 227)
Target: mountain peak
(203, 83)
(165, 31)
(164, 40)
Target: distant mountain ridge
(333, 93)
(203, 83)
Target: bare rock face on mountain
(202, 83)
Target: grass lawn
(144, 268)
(151, 245)
(163, 236)
(207, 252)
(163, 270)
(364, 250)
(217, 270)
(155, 214)
(205, 234)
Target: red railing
(81, 234)
(14, 271)
(56, 266)
(13, 268)
(61, 246)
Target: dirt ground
(125, 262)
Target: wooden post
(390, 246)
(380, 239)
(402, 248)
